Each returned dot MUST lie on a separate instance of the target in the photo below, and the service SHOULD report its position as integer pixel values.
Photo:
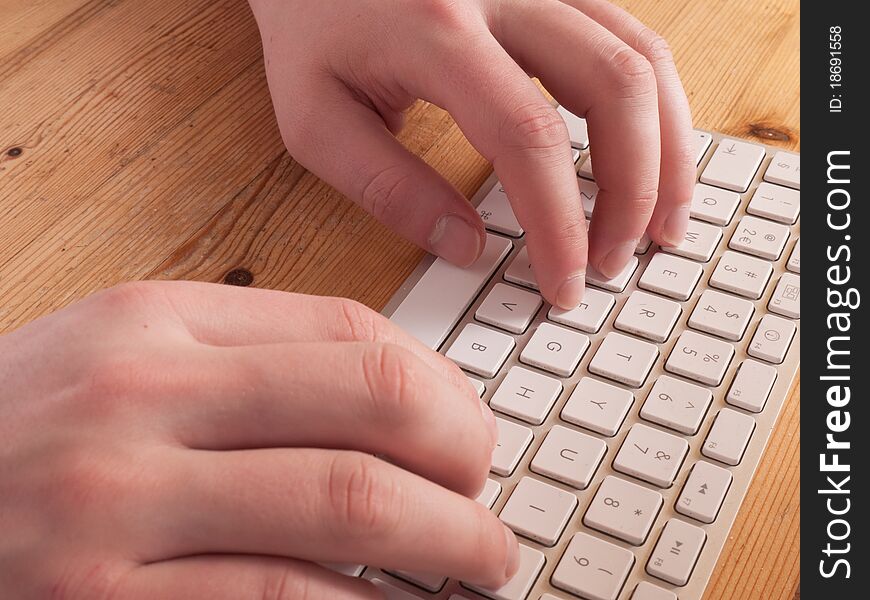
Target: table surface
(137, 141)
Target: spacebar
(432, 308)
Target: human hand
(342, 73)
(184, 440)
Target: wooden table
(137, 141)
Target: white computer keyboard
(629, 427)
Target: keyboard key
(520, 270)
(526, 395)
(785, 169)
(597, 406)
(651, 455)
(491, 492)
(624, 359)
(643, 244)
(759, 237)
(618, 283)
(733, 165)
(513, 441)
(391, 592)
(432, 308)
(508, 308)
(592, 568)
(478, 386)
(589, 316)
(794, 261)
(496, 213)
(427, 581)
(700, 357)
(349, 569)
(772, 339)
(786, 299)
(577, 131)
(624, 510)
(704, 492)
(676, 552)
(671, 276)
(677, 405)
(702, 141)
(728, 437)
(481, 350)
(588, 195)
(722, 315)
(714, 205)
(585, 170)
(555, 349)
(647, 591)
(569, 456)
(699, 243)
(648, 316)
(531, 563)
(741, 275)
(775, 203)
(538, 511)
(751, 386)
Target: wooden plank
(139, 96)
(25, 23)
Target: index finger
(597, 75)
(509, 120)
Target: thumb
(348, 145)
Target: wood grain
(137, 141)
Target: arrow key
(704, 492)
(508, 308)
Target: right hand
(342, 73)
(186, 440)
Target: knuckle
(364, 501)
(684, 162)
(92, 581)
(127, 298)
(654, 47)
(108, 384)
(633, 75)
(284, 584)
(359, 322)
(535, 126)
(444, 13)
(573, 233)
(80, 481)
(642, 203)
(389, 371)
(382, 195)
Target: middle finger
(597, 75)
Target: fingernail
(674, 229)
(455, 240)
(489, 418)
(571, 291)
(513, 553)
(615, 261)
